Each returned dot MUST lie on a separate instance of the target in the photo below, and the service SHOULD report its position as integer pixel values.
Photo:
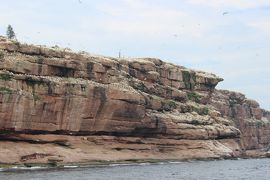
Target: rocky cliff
(57, 105)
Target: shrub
(193, 96)
(169, 105)
(259, 123)
(32, 82)
(205, 110)
(195, 122)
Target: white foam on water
(38, 167)
(71, 166)
(144, 164)
(175, 162)
(114, 165)
(161, 163)
(129, 164)
(28, 168)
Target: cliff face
(143, 101)
(246, 115)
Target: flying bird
(225, 13)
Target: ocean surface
(256, 169)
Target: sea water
(222, 169)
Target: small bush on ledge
(5, 90)
(259, 123)
(193, 96)
(168, 105)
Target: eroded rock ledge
(142, 107)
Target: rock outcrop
(143, 108)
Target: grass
(193, 96)
(189, 79)
(186, 78)
(36, 97)
(5, 90)
(5, 77)
(1, 55)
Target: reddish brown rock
(56, 91)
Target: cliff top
(67, 54)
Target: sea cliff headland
(62, 107)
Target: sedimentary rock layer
(56, 91)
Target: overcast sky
(228, 37)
